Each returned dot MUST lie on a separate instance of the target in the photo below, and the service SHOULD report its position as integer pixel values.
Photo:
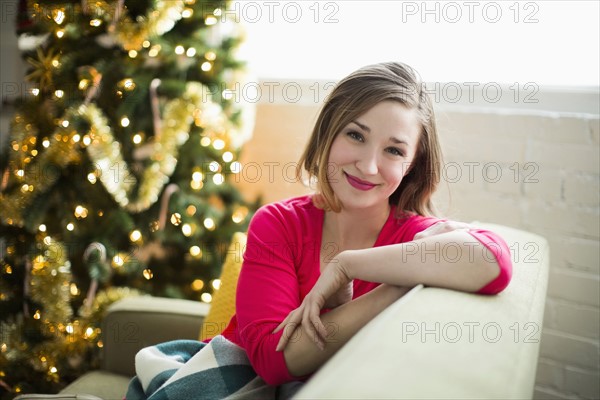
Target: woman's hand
(442, 227)
(307, 315)
(344, 294)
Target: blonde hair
(351, 98)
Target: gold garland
(50, 282)
(131, 34)
(41, 172)
(36, 173)
(179, 114)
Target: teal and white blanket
(188, 369)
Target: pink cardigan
(282, 263)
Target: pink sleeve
(500, 251)
(492, 242)
(267, 292)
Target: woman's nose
(368, 165)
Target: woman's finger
(288, 325)
(318, 324)
(442, 227)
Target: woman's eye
(395, 151)
(356, 136)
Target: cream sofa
(431, 344)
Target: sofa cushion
(105, 384)
(223, 303)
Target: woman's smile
(359, 183)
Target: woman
(341, 256)
(317, 268)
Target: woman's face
(371, 155)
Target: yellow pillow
(223, 303)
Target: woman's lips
(359, 184)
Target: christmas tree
(116, 178)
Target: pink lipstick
(359, 184)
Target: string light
(60, 33)
(88, 332)
(127, 84)
(154, 50)
(209, 224)
(70, 227)
(132, 54)
(227, 94)
(148, 274)
(137, 138)
(239, 214)
(236, 167)
(210, 55)
(135, 235)
(187, 13)
(205, 141)
(58, 15)
(191, 52)
(187, 230)
(195, 251)
(196, 185)
(176, 219)
(219, 144)
(206, 297)
(218, 179)
(206, 66)
(216, 284)
(125, 122)
(118, 261)
(197, 176)
(227, 156)
(179, 50)
(74, 290)
(191, 210)
(59, 93)
(95, 22)
(197, 285)
(210, 20)
(81, 212)
(214, 166)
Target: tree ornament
(98, 268)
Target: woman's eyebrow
(362, 126)
(398, 141)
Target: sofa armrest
(137, 322)
(441, 344)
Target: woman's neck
(351, 229)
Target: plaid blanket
(188, 369)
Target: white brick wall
(537, 171)
(555, 195)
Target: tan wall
(537, 171)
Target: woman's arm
(452, 260)
(301, 355)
